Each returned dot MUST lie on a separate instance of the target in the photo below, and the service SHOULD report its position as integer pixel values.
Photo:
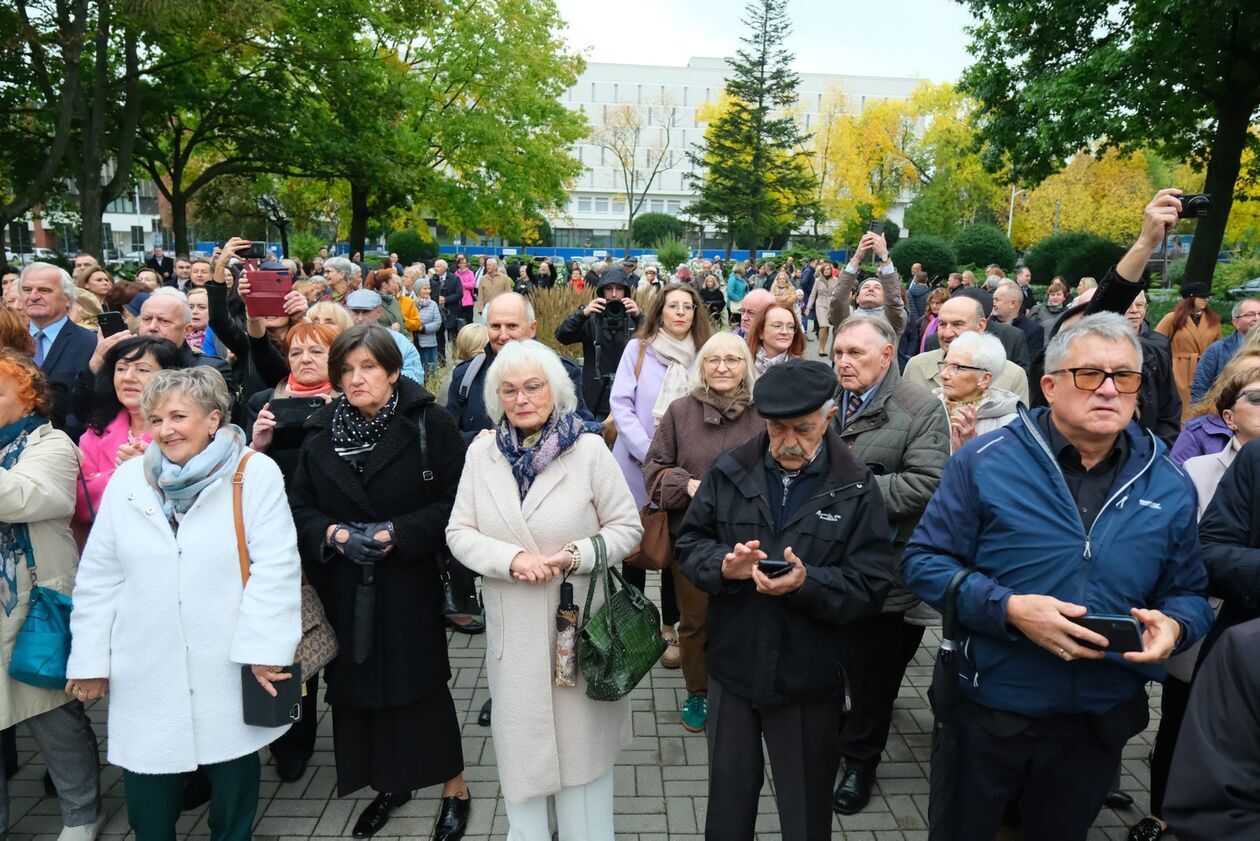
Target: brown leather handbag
(656, 549)
(318, 646)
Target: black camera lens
(1195, 206)
(615, 308)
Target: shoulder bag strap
(238, 514)
(638, 366)
(87, 496)
(601, 570)
(474, 368)
(422, 433)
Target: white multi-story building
(596, 209)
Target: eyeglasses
(955, 368)
(782, 326)
(716, 362)
(1251, 397)
(531, 389)
(680, 307)
(1091, 379)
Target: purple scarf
(558, 434)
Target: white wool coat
(38, 491)
(545, 736)
(165, 617)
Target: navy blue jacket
(67, 356)
(1213, 361)
(1004, 507)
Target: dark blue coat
(1004, 507)
(470, 410)
(68, 356)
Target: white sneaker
(87, 832)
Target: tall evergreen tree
(751, 172)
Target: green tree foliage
(892, 232)
(1053, 78)
(650, 228)
(304, 245)
(411, 247)
(1072, 256)
(934, 253)
(671, 251)
(751, 171)
(1043, 258)
(980, 245)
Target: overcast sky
(922, 38)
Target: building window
(658, 205)
(601, 204)
(584, 204)
(137, 238)
(674, 206)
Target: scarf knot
(677, 356)
(179, 486)
(354, 436)
(531, 455)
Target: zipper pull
(1123, 500)
(1088, 555)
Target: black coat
(603, 340)
(452, 289)
(470, 412)
(408, 660)
(1230, 533)
(786, 649)
(164, 267)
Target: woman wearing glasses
(655, 370)
(974, 405)
(774, 337)
(716, 414)
(1191, 327)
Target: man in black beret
(788, 536)
(604, 327)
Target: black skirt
(399, 748)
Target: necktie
(855, 406)
(39, 347)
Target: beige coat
(489, 288)
(545, 736)
(38, 491)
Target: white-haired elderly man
(62, 348)
(1067, 512)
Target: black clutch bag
(262, 710)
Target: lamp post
(1010, 216)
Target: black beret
(1196, 290)
(794, 389)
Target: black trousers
(298, 742)
(1058, 779)
(875, 655)
(1172, 707)
(669, 604)
(804, 746)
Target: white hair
(201, 384)
(530, 318)
(986, 351)
(67, 282)
(719, 344)
(527, 356)
(172, 292)
(339, 264)
(1105, 325)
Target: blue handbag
(42, 648)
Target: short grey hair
(68, 287)
(722, 343)
(340, 264)
(1105, 325)
(521, 356)
(986, 351)
(356, 270)
(880, 324)
(201, 384)
(1239, 305)
(172, 292)
(1009, 285)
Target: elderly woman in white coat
(162, 620)
(37, 478)
(531, 496)
(974, 405)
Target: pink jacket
(99, 452)
(469, 281)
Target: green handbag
(622, 640)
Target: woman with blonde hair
(783, 291)
(332, 314)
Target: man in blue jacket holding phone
(1069, 511)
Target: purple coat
(630, 405)
(1201, 436)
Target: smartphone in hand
(111, 322)
(1123, 633)
(774, 568)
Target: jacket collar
(874, 414)
(1143, 445)
(743, 463)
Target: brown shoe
(672, 658)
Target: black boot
(376, 815)
(854, 791)
(452, 820)
(483, 718)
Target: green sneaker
(695, 713)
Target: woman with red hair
(775, 336)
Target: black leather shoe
(376, 815)
(452, 820)
(1117, 800)
(1147, 829)
(483, 717)
(854, 791)
(290, 768)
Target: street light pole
(1010, 216)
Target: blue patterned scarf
(531, 456)
(15, 538)
(178, 487)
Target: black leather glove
(371, 529)
(359, 546)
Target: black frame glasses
(942, 365)
(1082, 377)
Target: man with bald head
(960, 315)
(1008, 304)
(754, 302)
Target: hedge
(934, 253)
(982, 245)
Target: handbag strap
(602, 570)
(238, 514)
(656, 483)
(87, 497)
(422, 433)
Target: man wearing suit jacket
(163, 265)
(62, 348)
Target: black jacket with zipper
(785, 649)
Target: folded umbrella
(945, 697)
(364, 626)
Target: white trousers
(583, 813)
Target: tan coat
(922, 370)
(38, 491)
(489, 288)
(545, 736)
(1188, 345)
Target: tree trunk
(284, 238)
(179, 220)
(629, 230)
(358, 216)
(1222, 174)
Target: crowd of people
(209, 484)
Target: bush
(933, 252)
(654, 227)
(1230, 275)
(411, 247)
(892, 233)
(551, 307)
(983, 245)
(672, 251)
(1176, 271)
(1043, 259)
(802, 254)
(303, 245)
(1091, 257)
